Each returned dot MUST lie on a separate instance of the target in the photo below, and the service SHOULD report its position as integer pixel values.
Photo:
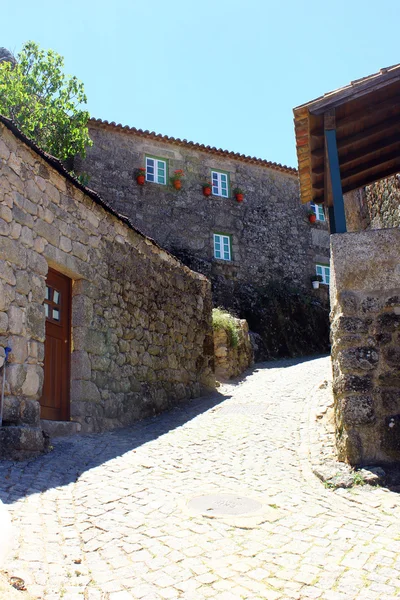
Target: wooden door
(57, 348)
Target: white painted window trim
(318, 210)
(157, 161)
(218, 187)
(325, 273)
(222, 238)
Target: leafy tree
(45, 103)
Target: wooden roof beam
(389, 169)
(355, 158)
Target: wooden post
(333, 181)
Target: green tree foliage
(45, 103)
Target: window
(222, 246)
(220, 184)
(324, 271)
(318, 209)
(156, 170)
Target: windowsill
(220, 261)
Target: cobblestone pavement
(107, 516)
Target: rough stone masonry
(141, 322)
(365, 299)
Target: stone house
(105, 327)
(247, 249)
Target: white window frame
(318, 210)
(222, 246)
(324, 271)
(155, 166)
(218, 189)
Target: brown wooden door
(57, 348)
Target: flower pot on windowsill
(176, 179)
(312, 217)
(141, 176)
(238, 193)
(316, 280)
(177, 183)
(207, 189)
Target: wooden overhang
(366, 118)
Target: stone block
(364, 358)
(388, 322)
(35, 321)
(32, 385)
(357, 410)
(348, 383)
(390, 436)
(11, 410)
(15, 320)
(14, 252)
(346, 324)
(3, 322)
(23, 282)
(80, 365)
(90, 340)
(6, 213)
(84, 391)
(82, 311)
(390, 400)
(30, 412)
(37, 263)
(392, 356)
(16, 375)
(65, 244)
(21, 442)
(48, 232)
(19, 349)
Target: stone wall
(375, 207)
(272, 239)
(365, 300)
(141, 321)
(232, 360)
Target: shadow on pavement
(73, 455)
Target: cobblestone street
(110, 517)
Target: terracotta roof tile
(202, 147)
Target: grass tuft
(221, 319)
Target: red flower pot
(140, 179)
(312, 218)
(207, 191)
(177, 184)
(239, 197)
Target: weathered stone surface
(357, 410)
(272, 239)
(231, 361)
(365, 340)
(80, 365)
(15, 319)
(133, 304)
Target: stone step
(60, 428)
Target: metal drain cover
(214, 505)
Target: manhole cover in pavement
(215, 505)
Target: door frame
(65, 410)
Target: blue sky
(226, 73)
